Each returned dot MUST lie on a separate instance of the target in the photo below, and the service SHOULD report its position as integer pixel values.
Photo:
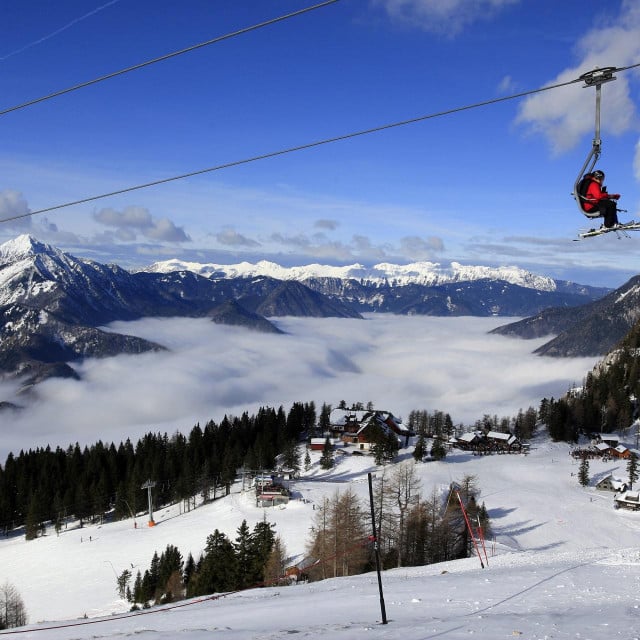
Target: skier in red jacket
(597, 198)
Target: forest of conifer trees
(45, 485)
(607, 401)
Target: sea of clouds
(399, 363)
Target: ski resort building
(627, 500)
(611, 484)
(360, 427)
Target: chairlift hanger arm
(596, 77)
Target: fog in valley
(398, 363)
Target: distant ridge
(424, 273)
(421, 288)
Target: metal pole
(148, 485)
(377, 551)
(596, 140)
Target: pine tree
(189, 570)
(632, 469)
(260, 545)
(310, 417)
(32, 522)
(324, 423)
(138, 595)
(583, 472)
(438, 450)
(291, 457)
(169, 586)
(384, 445)
(326, 459)
(307, 460)
(420, 449)
(218, 569)
(245, 559)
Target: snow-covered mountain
(592, 329)
(52, 305)
(420, 288)
(423, 273)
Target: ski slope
(563, 564)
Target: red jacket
(595, 194)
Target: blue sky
(483, 186)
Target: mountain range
(420, 288)
(54, 306)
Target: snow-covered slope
(424, 273)
(564, 564)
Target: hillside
(563, 563)
(588, 330)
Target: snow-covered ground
(564, 564)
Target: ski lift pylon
(597, 77)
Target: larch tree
(12, 610)
(404, 488)
(274, 570)
(339, 533)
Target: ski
(619, 230)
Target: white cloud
(360, 248)
(416, 248)
(133, 220)
(230, 237)
(565, 115)
(507, 85)
(399, 363)
(449, 17)
(12, 203)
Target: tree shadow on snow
(500, 513)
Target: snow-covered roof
(601, 446)
(497, 435)
(342, 416)
(616, 483)
(387, 416)
(629, 496)
(468, 437)
(609, 437)
(621, 448)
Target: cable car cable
(301, 147)
(167, 56)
